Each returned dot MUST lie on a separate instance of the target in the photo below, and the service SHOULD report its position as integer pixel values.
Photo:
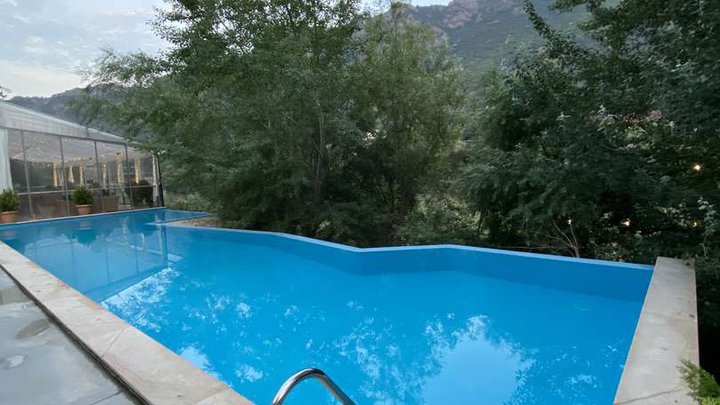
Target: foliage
(439, 219)
(82, 196)
(9, 201)
(300, 120)
(703, 386)
(3, 92)
(581, 151)
(607, 150)
(187, 202)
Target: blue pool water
(423, 325)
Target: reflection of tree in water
(11, 238)
(570, 374)
(271, 334)
(136, 225)
(421, 368)
(383, 345)
(572, 367)
(83, 233)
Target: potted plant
(9, 204)
(83, 199)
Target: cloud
(56, 39)
(33, 80)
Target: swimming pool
(442, 324)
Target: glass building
(44, 159)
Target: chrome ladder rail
(303, 375)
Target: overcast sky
(45, 44)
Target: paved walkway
(40, 365)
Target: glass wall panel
(113, 176)
(142, 174)
(80, 165)
(44, 164)
(24, 210)
(81, 169)
(45, 169)
(17, 173)
(17, 164)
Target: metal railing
(303, 375)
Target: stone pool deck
(144, 367)
(666, 336)
(40, 364)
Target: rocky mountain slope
(484, 31)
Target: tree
(306, 117)
(249, 107)
(578, 141)
(607, 149)
(407, 90)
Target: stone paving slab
(147, 369)
(40, 365)
(666, 335)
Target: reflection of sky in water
(494, 382)
(252, 315)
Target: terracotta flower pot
(84, 209)
(7, 217)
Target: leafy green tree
(607, 149)
(410, 87)
(407, 89)
(249, 106)
(578, 145)
(301, 116)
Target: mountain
(485, 31)
(57, 105)
(61, 106)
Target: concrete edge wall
(665, 337)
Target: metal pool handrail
(303, 375)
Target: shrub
(440, 219)
(82, 196)
(9, 201)
(703, 386)
(188, 202)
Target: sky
(46, 45)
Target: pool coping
(149, 370)
(666, 336)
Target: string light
(697, 167)
(625, 223)
(695, 223)
(569, 221)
